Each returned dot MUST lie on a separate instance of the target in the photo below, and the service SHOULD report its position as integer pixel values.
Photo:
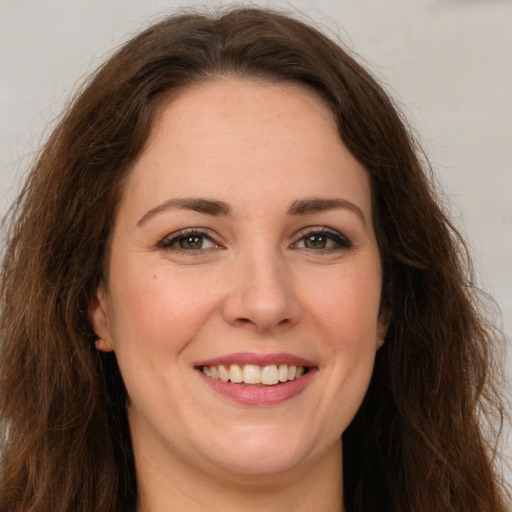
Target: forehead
(226, 95)
(238, 135)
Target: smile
(256, 380)
(268, 375)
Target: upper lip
(257, 359)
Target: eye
(189, 240)
(322, 240)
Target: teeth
(252, 374)
(223, 373)
(270, 375)
(235, 374)
(214, 372)
(283, 373)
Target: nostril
(244, 321)
(260, 325)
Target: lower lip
(260, 396)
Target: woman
(228, 285)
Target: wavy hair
(421, 440)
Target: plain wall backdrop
(446, 62)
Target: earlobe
(99, 317)
(382, 330)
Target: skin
(254, 285)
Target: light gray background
(448, 62)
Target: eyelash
(340, 241)
(168, 242)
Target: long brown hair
(417, 443)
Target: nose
(261, 297)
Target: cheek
(156, 316)
(347, 306)
(344, 314)
(160, 307)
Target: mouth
(255, 375)
(258, 380)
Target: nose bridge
(262, 296)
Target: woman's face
(243, 249)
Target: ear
(382, 329)
(99, 316)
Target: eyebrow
(201, 205)
(218, 208)
(320, 204)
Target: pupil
(316, 242)
(191, 242)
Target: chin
(263, 451)
(258, 463)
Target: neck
(315, 485)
